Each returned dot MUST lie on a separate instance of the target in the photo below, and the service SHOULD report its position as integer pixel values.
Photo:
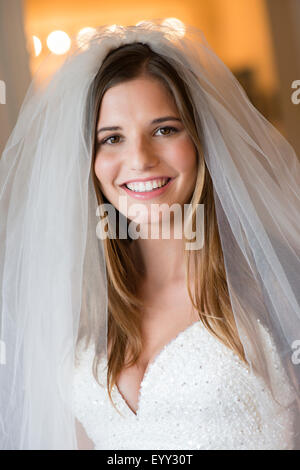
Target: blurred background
(259, 40)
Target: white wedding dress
(196, 394)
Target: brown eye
(171, 130)
(109, 138)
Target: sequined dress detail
(195, 394)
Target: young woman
(178, 345)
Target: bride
(176, 346)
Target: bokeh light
(112, 27)
(37, 45)
(83, 37)
(58, 42)
(177, 25)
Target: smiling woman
(139, 342)
(152, 312)
(144, 152)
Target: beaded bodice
(196, 394)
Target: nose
(141, 156)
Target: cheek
(183, 156)
(105, 170)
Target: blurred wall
(237, 30)
(14, 64)
(257, 39)
(284, 18)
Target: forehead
(138, 97)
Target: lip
(148, 194)
(142, 180)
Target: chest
(166, 316)
(191, 396)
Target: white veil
(52, 265)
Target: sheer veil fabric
(52, 265)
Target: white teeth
(147, 186)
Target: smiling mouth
(147, 187)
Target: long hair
(209, 291)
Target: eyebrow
(155, 121)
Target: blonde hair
(209, 292)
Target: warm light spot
(113, 28)
(175, 24)
(37, 45)
(84, 36)
(58, 42)
(119, 29)
(144, 23)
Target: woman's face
(139, 147)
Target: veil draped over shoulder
(50, 254)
